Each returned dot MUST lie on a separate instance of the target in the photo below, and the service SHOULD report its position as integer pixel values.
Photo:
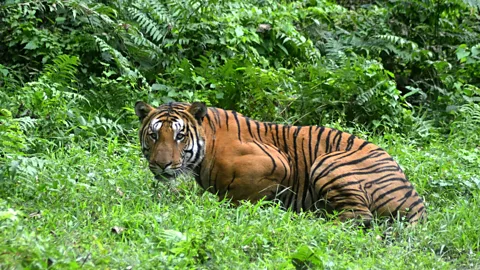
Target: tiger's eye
(153, 136)
(180, 136)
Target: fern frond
(402, 42)
(99, 11)
(401, 47)
(158, 11)
(63, 69)
(471, 111)
(472, 3)
(120, 60)
(367, 95)
(26, 123)
(71, 96)
(149, 25)
(106, 124)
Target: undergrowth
(98, 207)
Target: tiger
(303, 168)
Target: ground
(98, 208)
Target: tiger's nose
(164, 166)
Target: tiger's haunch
(306, 168)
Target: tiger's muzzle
(164, 172)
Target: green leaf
(239, 31)
(462, 53)
(4, 71)
(283, 48)
(31, 45)
(475, 50)
(305, 256)
(60, 20)
(173, 235)
(172, 94)
(157, 87)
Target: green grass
(95, 207)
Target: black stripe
(414, 215)
(197, 155)
(382, 204)
(417, 202)
(296, 171)
(210, 123)
(327, 142)
(349, 183)
(215, 187)
(198, 179)
(284, 170)
(213, 145)
(333, 155)
(217, 117)
(381, 180)
(388, 192)
(285, 144)
(420, 211)
(271, 133)
(270, 156)
(226, 118)
(231, 182)
(289, 197)
(385, 159)
(404, 199)
(376, 164)
(247, 121)
(344, 197)
(339, 135)
(331, 167)
(174, 118)
(277, 136)
(350, 142)
(305, 181)
(400, 179)
(365, 143)
(238, 124)
(348, 206)
(149, 119)
(319, 137)
(310, 147)
(210, 178)
(258, 131)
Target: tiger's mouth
(164, 177)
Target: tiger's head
(172, 137)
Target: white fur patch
(177, 126)
(156, 124)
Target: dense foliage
(404, 73)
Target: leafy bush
(356, 90)
(75, 193)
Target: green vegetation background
(76, 193)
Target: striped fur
(306, 168)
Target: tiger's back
(306, 168)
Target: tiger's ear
(142, 109)
(198, 110)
